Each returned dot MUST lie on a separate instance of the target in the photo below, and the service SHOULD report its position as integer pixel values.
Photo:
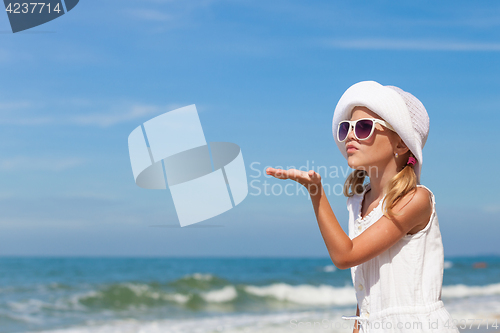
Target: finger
(295, 174)
(281, 174)
(292, 174)
(314, 175)
(271, 171)
(277, 173)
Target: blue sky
(263, 74)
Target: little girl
(394, 246)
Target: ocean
(150, 295)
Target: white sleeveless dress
(400, 289)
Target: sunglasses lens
(343, 130)
(363, 128)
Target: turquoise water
(207, 294)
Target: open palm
(310, 179)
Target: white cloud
(168, 13)
(406, 44)
(5, 195)
(107, 119)
(40, 163)
(4, 56)
(133, 112)
(15, 105)
(27, 121)
(78, 112)
(148, 14)
(73, 211)
(492, 209)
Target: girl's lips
(350, 149)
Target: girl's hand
(310, 179)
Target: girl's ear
(402, 147)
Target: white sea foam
(329, 268)
(33, 306)
(464, 302)
(242, 323)
(200, 276)
(448, 264)
(138, 288)
(29, 306)
(306, 294)
(477, 308)
(328, 295)
(179, 298)
(22, 317)
(303, 294)
(226, 294)
(461, 290)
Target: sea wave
(128, 294)
(462, 290)
(211, 293)
(198, 281)
(226, 294)
(306, 294)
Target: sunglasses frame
(352, 125)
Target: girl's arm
(415, 209)
(356, 325)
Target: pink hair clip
(411, 160)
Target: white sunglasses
(363, 128)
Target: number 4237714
(24, 8)
(463, 323)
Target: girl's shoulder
(420, 193)
(418, 202)
(426, 190)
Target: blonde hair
(402, 183)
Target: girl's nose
(350, 135)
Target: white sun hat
(399, 108)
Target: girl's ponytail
(402, 183)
